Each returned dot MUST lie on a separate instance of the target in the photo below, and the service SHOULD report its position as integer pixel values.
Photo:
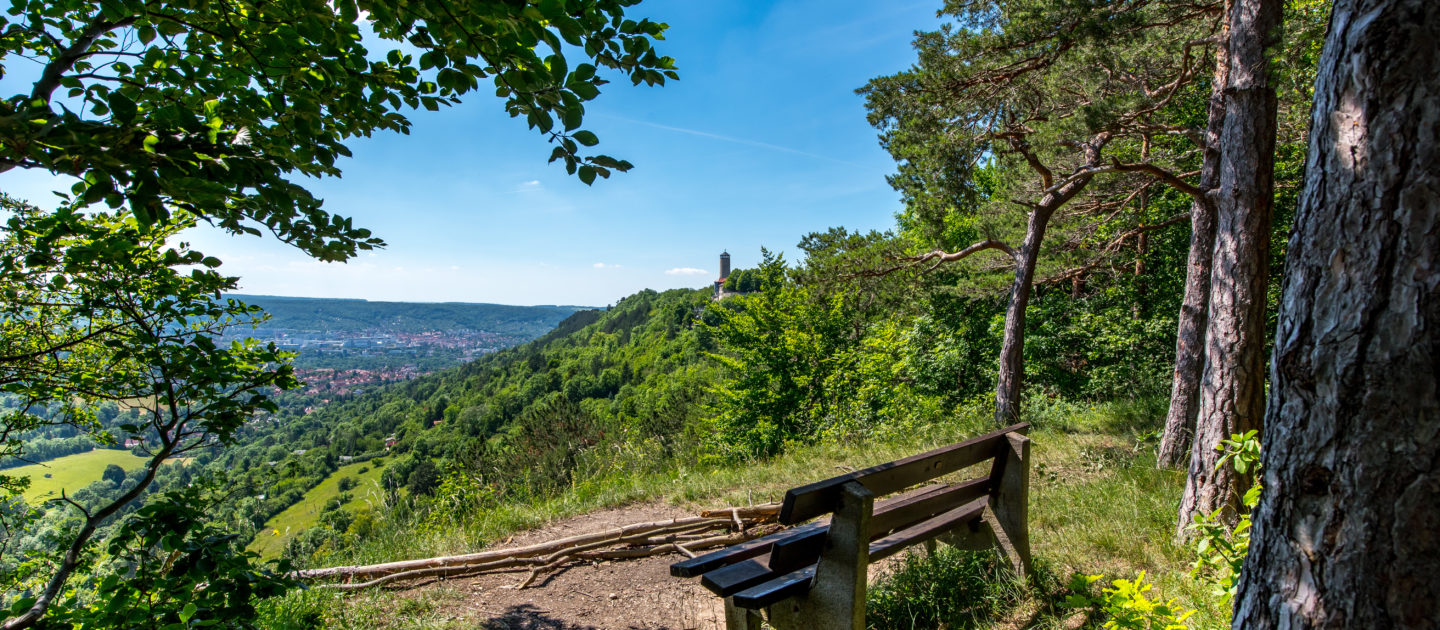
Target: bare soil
(636, 593)
(631, 594)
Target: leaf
(122, 109)
(21, 605)
(584, 90)
(587, 174)
(586, 138)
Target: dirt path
(638, 593)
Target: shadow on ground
(529, 617)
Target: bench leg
(1010, 503)
(737, 618)
(977, 535)
(836, 600)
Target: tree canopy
(218, 109)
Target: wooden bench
(814, 575)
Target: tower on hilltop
(724, 273)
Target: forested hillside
(329, 314)
(519, 422)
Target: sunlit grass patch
(72, 472)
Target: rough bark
(1232, 391)
(1178, 435)
(1012, 347)
(1346, 533)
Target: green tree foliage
(139, 327)
(168, 567)
(184, 107)
(620, 389)
(743, 281)
(423, 480)
(170, 113)
(114, 474)
(780, 345)
(1026, 123)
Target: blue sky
(761, 141)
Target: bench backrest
(823, 497)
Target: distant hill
(343, 315)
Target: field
(72, 472)
(299, 517)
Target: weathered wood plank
(798, 582)
(927, 529)
(728, 580)
(797, 551)
(702, 564)
(823, 497)
(915, 509)
(699, 565)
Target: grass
(72, 472)
(1098, 505)
(306, 512)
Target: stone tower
(724, 265)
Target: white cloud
(685, 271)
(601, 265)
(529, 187)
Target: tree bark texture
(1012, 347)
(1347, 534)
(1178, 436)
(1232, 390)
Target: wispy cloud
(685, 271)
(601, 265)
(732, 139)
(530, 186)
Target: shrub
(947, 588)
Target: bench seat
(813, 575)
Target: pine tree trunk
(1012, 348)
(1179, 433)
(1347, 534)
(1232, 390)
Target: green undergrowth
(1098, 505)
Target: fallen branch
(680, 535)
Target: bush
(949, 588)
(207, 580)
(1126, 604)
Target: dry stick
(453, 569)
(496, 554)
(520, 561)
(766, 511)
(558, 558)
(511, 563)
(445, 571)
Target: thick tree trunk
(1179, 433)
(1232, 391)
(1012, 348)
(1347, 534)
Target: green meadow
(72, 472)
(303, 514)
